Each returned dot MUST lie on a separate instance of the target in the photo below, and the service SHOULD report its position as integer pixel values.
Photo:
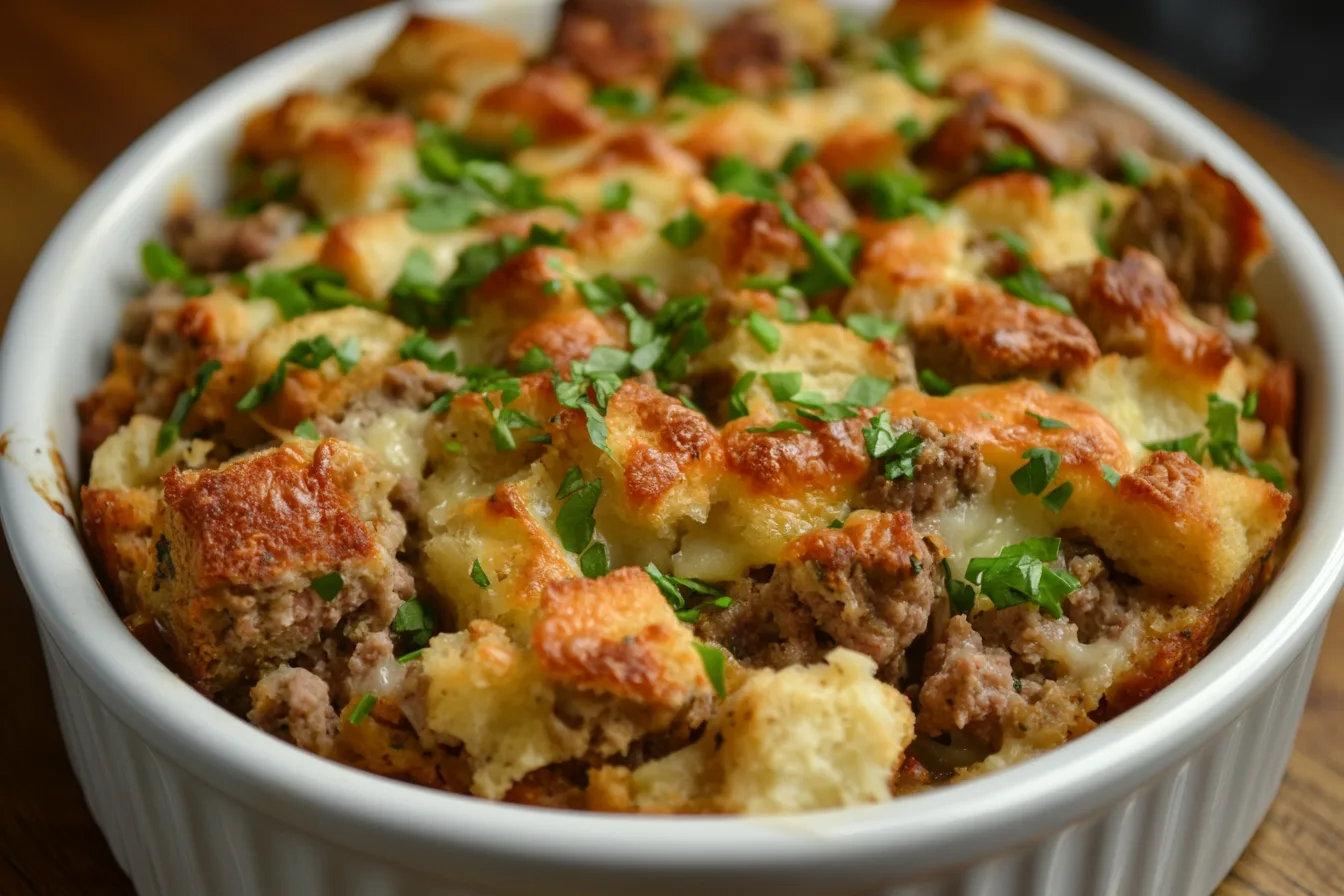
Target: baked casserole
(762, 415)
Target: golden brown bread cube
(247, 544)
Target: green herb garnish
(328, 586)
(171, 428)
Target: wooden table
(80, 80)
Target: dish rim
(349, 806)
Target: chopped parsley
(764, 331)
(1220, 439)
(572, 482)
(307, 429)
(162, 264)
(870, 327)
(1058, 497)
(593, 562)
(899, 452)
(416, 621)
(910, 129)
(306, 353)
(363, 708)
(799, 154)
(1048, 422)
(1135, 169)
(1018, 575)
(686, 80)
(781, 426)
(682, 232)
(892, 194)
(866, 391)
(933, 383)
(737, 396)
(478, 574)
(783, 386)
(959, 594)
(713, 661)
(1010, 158)
(671, 587)
(1250, 405)
(575, 523)
(419, 347)
(534, 360)
(1111, 475)
(1062, 181)
(902, 56)
(1029, 284)
(831, 261)
(171, 428)
(328, 586)
(622, 100)
(616, 196)
(734, 174)
(1241, 307)
(1035, 475)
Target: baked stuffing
(769, 414)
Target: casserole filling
(770, 414)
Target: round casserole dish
(1160, 800)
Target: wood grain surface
(80, 79)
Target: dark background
(1284, 58)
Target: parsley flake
(307, 429)
(1018, 575)
(737, 396)
(1111, 475)
(363, 708)
(478, 574)
(171, 428)
(574, 523)
(765, 332)
(416, 621)
(307, 353)
(616, 196)
(328, 586)
(781, 426)
(593, 562)
(1058, 497)
(712, 659)
(1241, 307)
(899, 452)
(798, 154)
(933, 384)
(959, 594)
(1048, 422)
(1032, 477)
(682, 232)
(871, 327)
(534, 360)
(1135, 169)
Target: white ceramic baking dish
(1160, 801)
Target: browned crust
(615, 635)
(826, 457)
(612, 41)
(671, 438)
(563, 337)
(258, 520)
(981, 333)
(1164, 657)
(885, 542)
(120, 527)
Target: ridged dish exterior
(1177, 835)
